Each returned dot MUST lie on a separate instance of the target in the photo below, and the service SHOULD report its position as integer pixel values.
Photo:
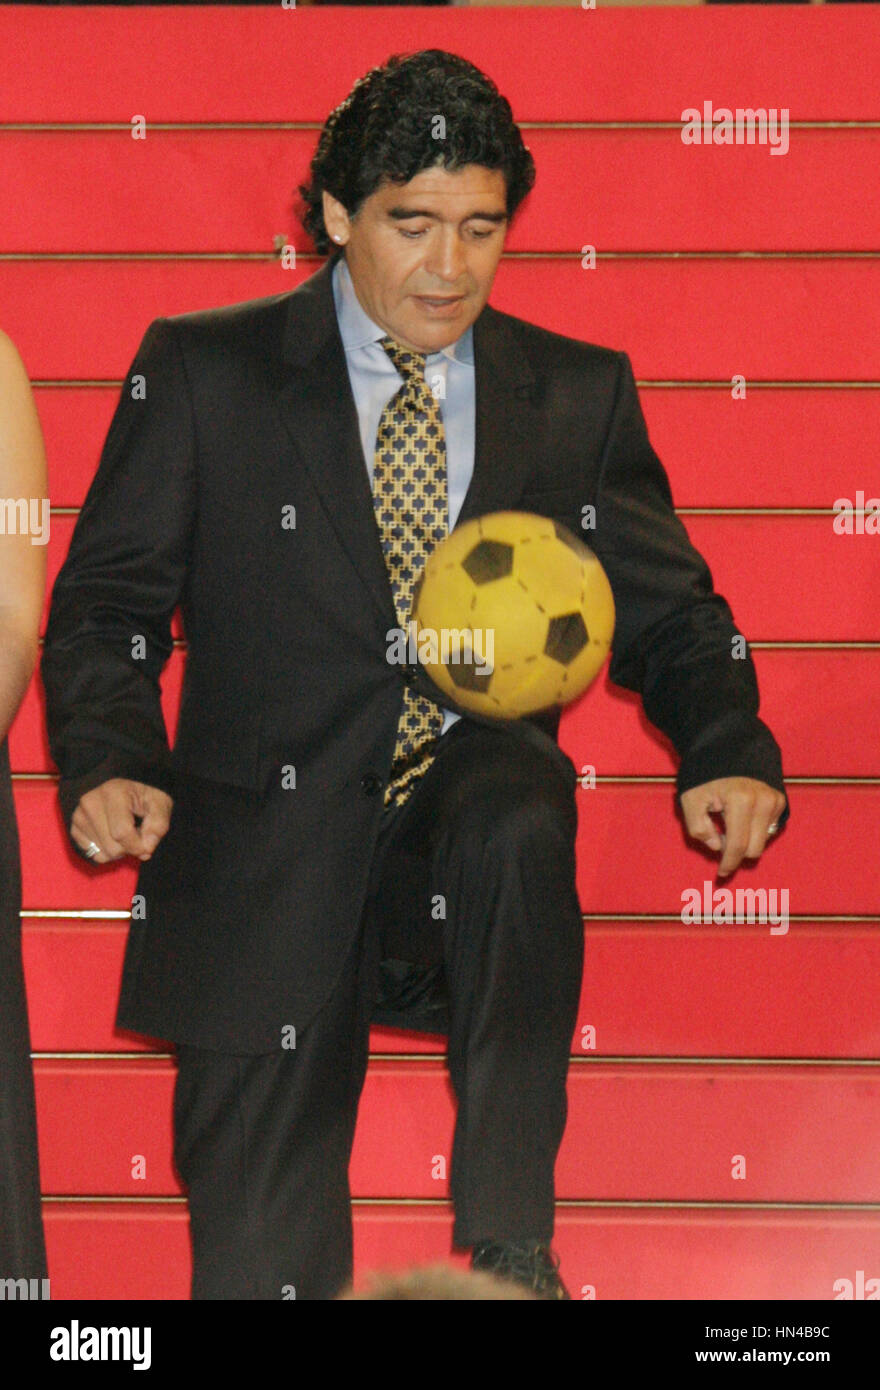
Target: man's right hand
(121, 817)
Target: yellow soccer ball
(512, 615)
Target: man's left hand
(749, 808)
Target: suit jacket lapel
(508, 423)
(319, 411)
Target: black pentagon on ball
(488, 560)
(573, 542)
(466, 675)
(566, 636)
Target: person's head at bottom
(437, 1284)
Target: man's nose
(446, 260)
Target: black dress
(22, 1247)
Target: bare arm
(23, 495)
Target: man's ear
(336, 219)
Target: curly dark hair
(384, 132)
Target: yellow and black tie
(410, 497)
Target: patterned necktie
(411, 503)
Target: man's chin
(433, 334)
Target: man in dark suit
(329, 842)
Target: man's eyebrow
(401, 214)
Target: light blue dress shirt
(375, 379)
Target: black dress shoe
(531, 1264)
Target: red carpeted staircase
(725, 1085)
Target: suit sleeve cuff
(734, 747)
(115, 764)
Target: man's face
(423, 255)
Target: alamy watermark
(857, 518)
(25, 516)
(23, 1290)
(76, 1343)
(728, 906)
(449, 645)
(746, 125)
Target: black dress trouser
(472, 886)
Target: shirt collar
(357, 329)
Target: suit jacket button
(371, 783)
(409, 675)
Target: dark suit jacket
(251, 901)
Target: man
(284, 470)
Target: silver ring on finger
(91, 850)
(772, 829)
